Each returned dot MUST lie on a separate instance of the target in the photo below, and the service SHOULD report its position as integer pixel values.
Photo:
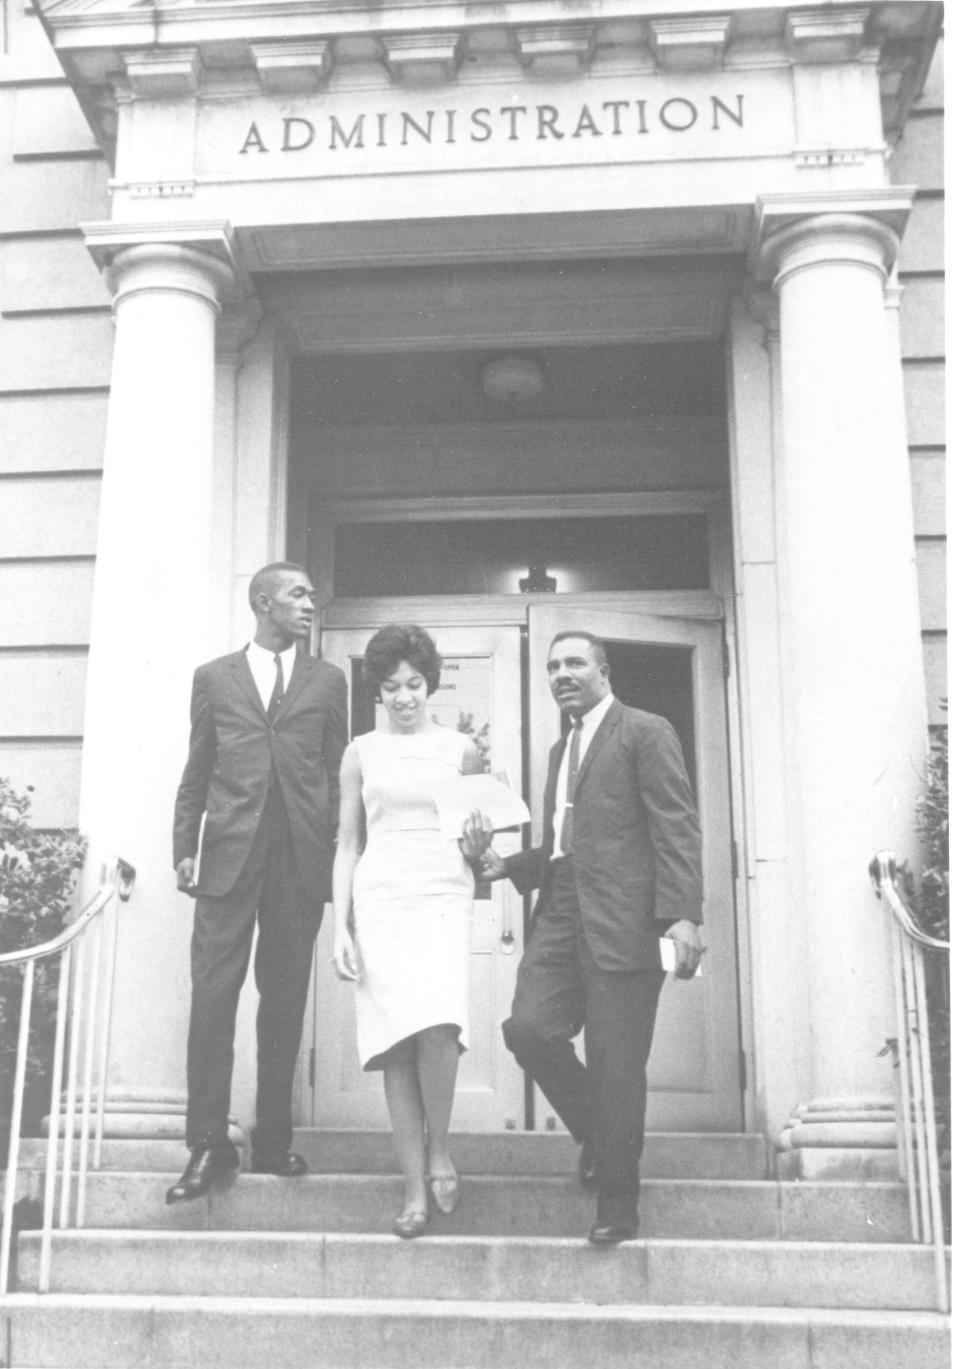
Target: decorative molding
(829, 156)
(695, 44)
(210, 239)
(816, 36)
(555, 49)
(163, 74)
(422, 58)
(292, 68)
(580, 505)
(156, 190)
(882, 212)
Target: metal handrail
(91, 936)
(917, 1118)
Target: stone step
(77, 1331)
(508, 1206)
(666, 1155)
(312, 1265)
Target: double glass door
(494, 688)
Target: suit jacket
(233, 752)
(636, 839)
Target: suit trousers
(270, 894)
(561, 990)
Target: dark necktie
(274, 705)
(573, 765)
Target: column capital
(763, 307)
(863, 228)
(200, 258)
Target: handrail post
(918, 1122)
(71, 946)
(13, 1148)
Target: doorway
(494, 687)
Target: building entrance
(494, 687)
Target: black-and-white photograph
(474, 845)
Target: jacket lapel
(608, 723)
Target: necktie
(573, 765)
(274, 704)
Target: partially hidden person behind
(619, 867)
(402, 897)
(268, 731)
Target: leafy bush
(931, 906)
(37, 876)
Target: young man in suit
(268, 729)
(619, 868)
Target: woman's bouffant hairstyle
(401, 642)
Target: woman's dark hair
(401, 642)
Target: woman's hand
(477, 835)
(345, 960)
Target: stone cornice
(292, 46)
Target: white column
(854, 708)
(152, 611)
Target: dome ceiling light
(510, 379)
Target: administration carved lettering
(513, 123)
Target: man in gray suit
(619, 867)
(268, 730)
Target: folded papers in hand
(484, 793)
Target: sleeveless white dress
(412, 894)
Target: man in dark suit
(618, 869)
(268, 729)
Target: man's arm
(674, 827)
(523, 868)
(335, 740)
(191, 798)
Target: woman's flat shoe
(410, 1224)
(445, 1190)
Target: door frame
(718, 603)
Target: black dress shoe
(286, 1165)
(616, 1222)
(207, 1164)
(587, 1166)
(612, 1233)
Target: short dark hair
(263, 579)
(401, 642)
(599, 650)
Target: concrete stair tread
(246, 1307)
(453, 1268)
(732, 1155)
(514, 1205)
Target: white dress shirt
(591, 721)
(265, 671)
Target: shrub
(931, 907)
(37, 876)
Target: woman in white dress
(402, 897)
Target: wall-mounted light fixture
(510, 379)
(538, 582)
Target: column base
(840, 1138)
(141, 1127)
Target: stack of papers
(485, 794)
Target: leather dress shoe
(587, 1166)
(287, 1165)
(616, 1222)
(206, 1165)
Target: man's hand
(686, 937)
(185, 880)
(477, 835)
(492, 866)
